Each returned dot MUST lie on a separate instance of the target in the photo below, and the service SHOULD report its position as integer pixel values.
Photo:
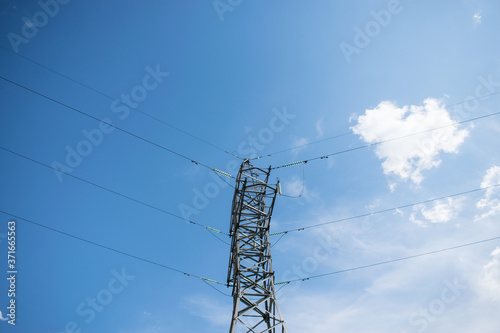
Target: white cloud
(319, 127)
(299, 142)
(491, 200)
(294, 187)
(373, 205)
(476, 18)
(491, 278)
(148, 329)
(442, 211)
(206, 308)
(406, 158)
(388, 298)
(299, 145)
(2, 318)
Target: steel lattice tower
(250, 270)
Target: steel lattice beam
(250, 270)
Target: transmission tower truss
(250, 271)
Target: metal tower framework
(250, 271)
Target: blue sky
(251, 78)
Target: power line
(383, 141)
(390, 261)
(210, 284)
(301, 146)
(120, 102)
(349, 133)
(383, 210)
(116, 127)
(210, 229)
(214, 232)
(113, 249)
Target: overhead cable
(350, 132)
(389, 261)
(120, 102)
(113, 249)
(210, 229)
(383, 141)
(114, 126)
(383, 210)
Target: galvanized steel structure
(250, 270)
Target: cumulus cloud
(491, 200)
(477, 17)
(491, 278)
(406, 158)
(443, 211)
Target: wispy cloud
(206, 308)
(296, 187)
(491, 200)
(319, 127)
(407, 158)
(443, 211)
(299, 144)
(147, 329)
(491, 278)
(390, 298)
(477, 17)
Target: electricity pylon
(250, 270)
